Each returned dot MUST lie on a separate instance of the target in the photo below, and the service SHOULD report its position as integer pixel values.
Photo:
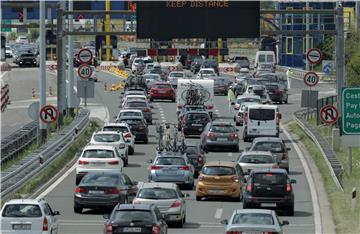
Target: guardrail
(16, 176)
(329, 155)
(297, 73)
(14, 144)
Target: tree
(12, 36)
(34, 34)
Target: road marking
(218, 213)
(310, 180)
(229, 154)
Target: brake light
(249, 187)
(80, 190)
(45, 225)
(122, 146)
(268, 174)
(235, 179)
(155, 229)
(277, 91)
(246, 118)
(176, 204)
(82, 162)
(113, 163)
(200, 177)
(127, 135)
(154, 167)
(277, 118)
(146, 110)
(233, 136)
(233, 232)
(210, 107)
(288, 187)
(210, 135)
(184, 168)
(112, 191)
(109, 228)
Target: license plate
(170, 172)
(21, 226)
(253, 232)
(98, 163)
(216, 191)
(254, 130)
(268, 204)
(172, 217)
(96, 192)
(132, 229)
(197, 125)
(221, 139)
(162, 91)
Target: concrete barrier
(229, 68)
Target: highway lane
(202, 217)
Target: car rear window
(107, 137)
(262, 114)
(271, 87)
(242, 100)
(269, 178)
(170, 161)
(257, 159)
(98, 154)
(275, 147)
(157, 193)
(100, 180)
(22, 211)
(137, 216)
(222, 128)
(253, 219)
(218, 170)
(176, 75)
(207, 72)
(132, 121)
(136, 104)
(259, 92)
(130, 114)
(198, 116)
(121, 129)
(162, 86)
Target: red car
(162, 91)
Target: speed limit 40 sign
(85, 71)
(311, 79)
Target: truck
(195, 92)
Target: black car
(138, 127)
(187, 108)
(277, 92)
(270, 188)
(26, 59)
(211, 63)
(137, 218)
(194, 122)
(103, 190)
(196, 157)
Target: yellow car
(220, 179)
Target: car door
(129, 187)
(182, 199)
(52, 220)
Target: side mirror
(135, 182)
(292, 181)
(285, 222)
(150, 161)
(56, 213)
(288, 149)
(106, 216)
(232, 103)
(224, 221)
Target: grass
(58, 164)
(346, 221)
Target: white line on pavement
(229, 154)
(218, 213)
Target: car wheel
(78, 210)
(236, 149)
(286, 101)
(179, 224)
(281, 101)
(234, 119)
(131, 150)
(237, 124)
(246, 206)
(198, 198)
(290, 211)
(146, 140)
(184, 219)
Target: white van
(265, 57)
(261, 121)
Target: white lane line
(310, 179)
(218, 213)
(230, 154)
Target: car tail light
(113, 162)
(210, 135)
(80, 190)
(210, 107)
(112, 191)
(235, 179)
(249, 187)
(200, 177)
(233, 232)
(45, 227)
(127, 135)
(288, 187)
(285, 156)
(155, 229)
(146, 110)
(122, 146)
(200, 159)
(176, 204)
(277, 91)
(154, 167)
(233, 136)
(184, 168)
(277, 118)
(109, 228)
(82, 162)
(246, 118)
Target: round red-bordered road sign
(311, 79)
(49, 114)
(85, 56)
(329, 114)
(85, 71)
(314, 56)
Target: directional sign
(85, 56)
(329, 114)
(314, 56)
(351, 111)
(327, 66)
(85, 71)
(48, 114)
(311, 79)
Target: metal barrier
(299, 74)
(329, 155)
(5, 97)
(16, 176)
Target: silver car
(250, 160)
(140, 105)
(254, 221)
(167, 197)
(172, 167)
(151, 79)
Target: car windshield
(262, 114)
(107, 137)
(162, 86)
(170, 161)
(269, 179)
(253, 218)
(157, 193)
(218, 170)
(222, 128)
(106, 180)
(121, 129)
(138, 216)
(257, 159)
(136, 104)
(177, 74)
(98, 153)
(207, 72)
(22, 210)
(274, 147)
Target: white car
(148, 67)
(137, 63)
(133, 97)
(151, 78)
(32, 216)
(246, 98)
(174, 76)
(239, 116)
(259, 90)
(205, 73)
(98, 158)
(115, 139)
(125, 130)
(22, 40)
(129, 113)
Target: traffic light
(21, 15)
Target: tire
(286, 101)
(246, 206)
(131, 150)
(290, 211)
(173, 100)
(146, 140)
(198, 198)
(78, 210)
(237, 124)
(236, 149)
(179, 224)
(151, 99)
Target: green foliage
(11, 36)
(34, 34)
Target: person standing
(231, 98)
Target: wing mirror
(224, 221)
(150, 161)
(106, 216)
(292, 181)
(285, 222)
(56, 213)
